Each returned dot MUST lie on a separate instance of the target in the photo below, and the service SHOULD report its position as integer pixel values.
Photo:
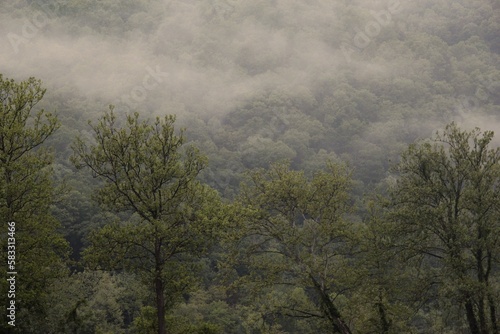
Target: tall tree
(446, 209)
(148, 172)
(295, 236)
(26, 195)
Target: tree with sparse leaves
(445, 214)
(148, 172)
(294, 236)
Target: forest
(260, 167)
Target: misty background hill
(253, 83)
(259, 81)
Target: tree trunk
(329, 309)
(471, 318)
(160, 304)
(491, 300)
(482, 316)
(384, 323)
(482, 278)
(493, 314)
(159, 289)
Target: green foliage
(283, 90)
(295, 236)
(94, 302)
(387, 297)
(147, 171)
(26, 196)
(445, 215)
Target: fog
(207, 56)
(205, 62)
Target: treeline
(293, 202)
(128, 237)
(287, 90)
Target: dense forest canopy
(265, 166)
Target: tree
(94, 302)
(148, 172)
(26, 195)
(445, 208)
(294, 236)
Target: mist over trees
(230, 166)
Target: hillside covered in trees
(227, 166)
